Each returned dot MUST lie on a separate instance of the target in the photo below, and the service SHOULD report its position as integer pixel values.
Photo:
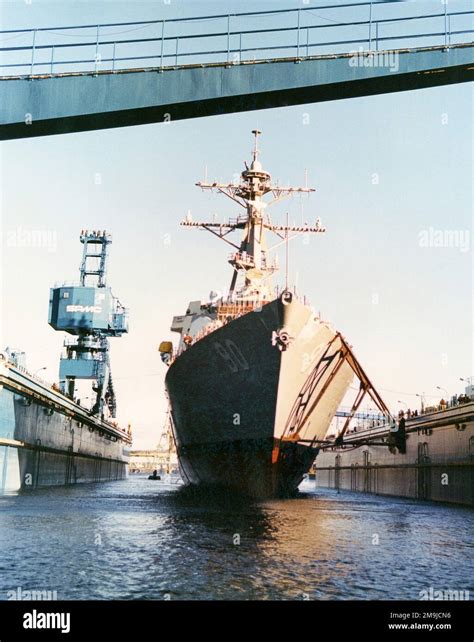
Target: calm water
(140, 539)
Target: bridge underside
(74, 102)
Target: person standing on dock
(400, 437)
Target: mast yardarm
(251, 257)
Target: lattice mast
(251, 258)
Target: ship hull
(246, 466)
(233, 394)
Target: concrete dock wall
(438, 464)
(40, 446)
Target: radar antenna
(251, 257)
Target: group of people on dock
(455, 400)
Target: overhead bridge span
(96, 78)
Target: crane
(91, 314)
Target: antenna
(249, 258)
(256, 151)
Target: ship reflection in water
(138, 539)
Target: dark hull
(231, 393)
(223, 410)
(247, 466)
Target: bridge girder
(73, 102)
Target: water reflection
(151, 540)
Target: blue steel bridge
(61, 79)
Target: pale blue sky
(419, 143)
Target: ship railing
(237, 220)
(247, 260)
(270, 264)
(334, 28)
(241, 258)
(278, 290)
(238, 308)
(208, 329)
(225, 312)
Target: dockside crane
(90, 313)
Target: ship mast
(251, 257)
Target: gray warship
(257, 375)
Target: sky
(393, 273)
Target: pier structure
(437, 465)
(47, 439)
(47, 436)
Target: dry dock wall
(42, 447)
(66, 451)
(437, 466)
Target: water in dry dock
(141, 539)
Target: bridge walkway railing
(236, 38)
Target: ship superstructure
(253, 267)
(257, 375)
(250, 259)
